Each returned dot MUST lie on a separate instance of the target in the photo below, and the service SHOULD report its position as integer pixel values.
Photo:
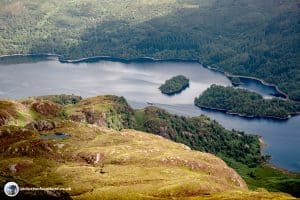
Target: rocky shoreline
(245, 115)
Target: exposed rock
(88, 116)
(59, 145)
(42, 125)
(12, 168)
(90, 158)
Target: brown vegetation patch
(33, 148)
(7, 112)
(47, 108)
(4, 117)
(10, 135)
(42, 125)
(98, 118)
(18, 167)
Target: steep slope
(133, 165)
(50, 149)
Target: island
(175, 85)
(235, 81)
(245, 103)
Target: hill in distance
(245, 37)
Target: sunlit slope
(133, 165)
(98, 162)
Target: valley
(249, 38)
(150, 99)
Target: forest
(201, 133)
(239, 150)
(246, 37)
(245, 103)
(174, 85)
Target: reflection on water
(255, 85)
(138, 82)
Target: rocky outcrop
(42, 125)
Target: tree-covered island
(245, 103)
(235, 81)
(175, 85)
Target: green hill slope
(53, 141)
(247, 37)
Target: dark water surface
(55, 136)
(138, 82)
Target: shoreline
(228, 75)
(262, 143)
(247, 116)
(148, 59)
(284, 170)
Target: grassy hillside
(247, 37)
(240, 151)
(132, 165)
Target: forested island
(245, 103)
(235, 81)
(175, 85)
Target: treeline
(174, 85)
(244, 102)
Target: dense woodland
(174, 85)
(246, 37)
(201, 133)
(244, 102)
(238, 150)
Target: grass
(135, 165)
(134, 161)
(268, 177)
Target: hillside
(135, 165)
(247, 37)
(52, 141)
